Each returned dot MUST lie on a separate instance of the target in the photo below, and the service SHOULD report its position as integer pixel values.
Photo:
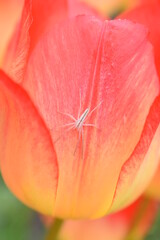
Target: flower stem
(54, 230)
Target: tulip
(80, 131)
(131, 223)
(10, 11)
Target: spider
(79, 123)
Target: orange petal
(27, 157)
(134, 221)
(87, 63)
(117, 226)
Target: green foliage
(17, 222)
(154, 233)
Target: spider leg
(79, 111)
(89, 125)
(67, 124)
(94, 110)
(68, 115)
(79, 138)
(82, 144)
(67, 130)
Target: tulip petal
(84, 61)
(47, 13)
(148, 13)
(38, 16)
(143, 161)
(27, 157)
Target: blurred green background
(18, 222)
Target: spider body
(80, 121)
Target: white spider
(79, 123)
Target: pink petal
(92, 59)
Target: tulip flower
(131, 223)
(80, 131)
(10, 11)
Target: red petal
(92, 57)
(148, 13)
(27, 157)
(38, 16)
